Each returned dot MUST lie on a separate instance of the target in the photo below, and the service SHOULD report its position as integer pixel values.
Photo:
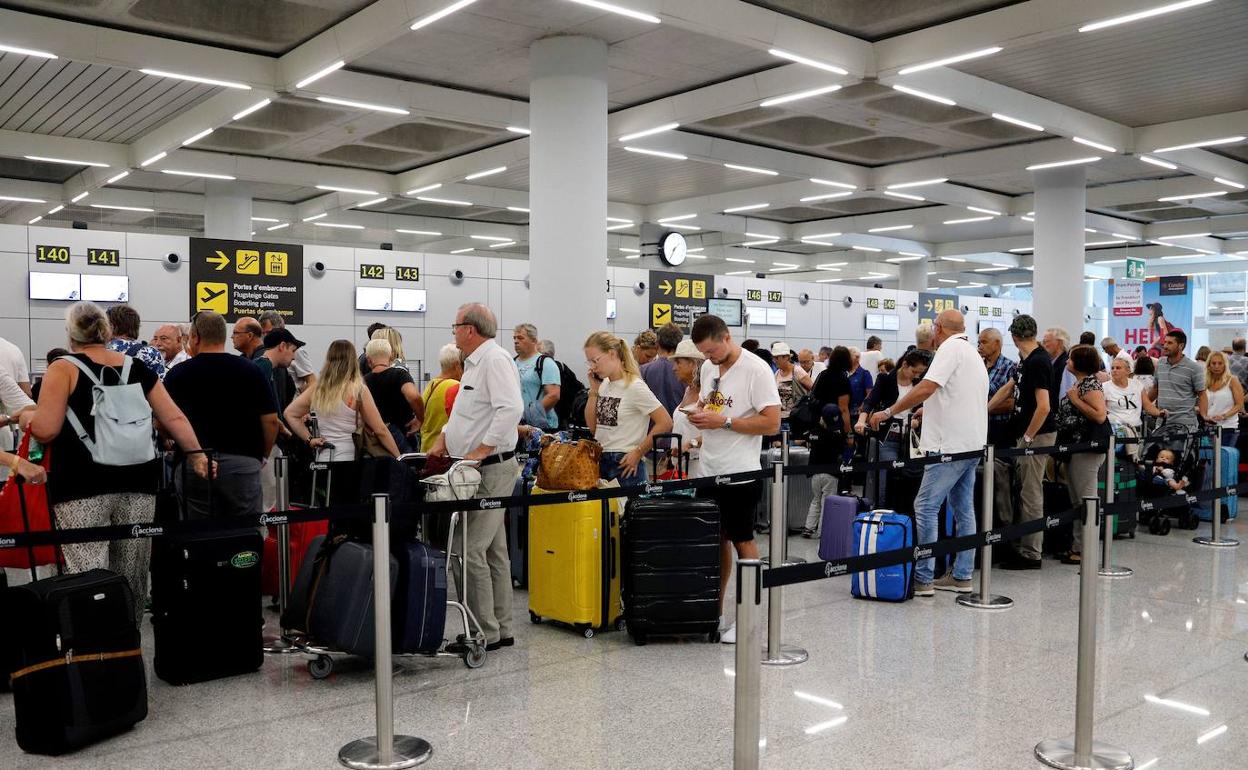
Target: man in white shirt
(482, 426)
(1112, 349)
(13, 363)
(953, 392)
(168, 340)
(871, 357)
(739, 404)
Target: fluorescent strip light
(315, 76)
(1017, 122)
(612, 228)
(121, 208)
(830, 183)
(283, 225)
(200, 174)
(1181, 237)
(785, 265)
(828, 280)
(1023, 250)
(925, 95)
(1158, 162)
(825, 197)
(658, 153)
(822, 236)
(762, 235)
(905, 196)
(260, 105)
(612, 8)
(1115, 242)
(264, 219)
(1229, 183)
(79, 197)
(1094, 145)
(750, 207)
(739, 272)
(426, 188)
(1183, 256)
(953, 259)
(490, 238)
(1002, 264)
(436, 15)
(315, 217)
(951, 60)
(197, 137)
(981, 210)
(965, 221)
(680, 218)
(649, 132)
(1060, 163)
(684, 227)
(417, 232)
(197, 79)
(27, 52)
(946, 280)
(989, 269)
(362, 105)
(1146, 14)
(487, 172)
(33, 221)
(519, 130)
(117, 178)
(889, 229)
(902, 259)
(632, 256)
(877, 275)
(911, 254)
(351, 190)
(1205, 143)
(1125, 237)
(1016, 285)
(1028, 218)
(1213, 194)
(690, 251)
(1110, 262)
(919, 183)
(798, 95)
(523, 210)
(627, 250)
(621, 220)
(834, 266)
(463, 251)
(1214, 733)
(813, 242)
(502, 244)
(338, 225)
(760, 242)
(739, 260)
(815, 729)
(443, 201)
(17, 199)
(66, 161)
(866, 248)
(373, 202)
(751, 169)
(808, 62)
(53, 211)
(157, 157)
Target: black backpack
(569, 389)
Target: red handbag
(24, 508)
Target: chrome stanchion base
(1114, 571)
(279, 645)
(789, 656)
(1226, 542)
(1060, 753)
(363, 755)
(978, 601)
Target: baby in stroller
(1165, 475)
(1165, 472)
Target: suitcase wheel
(321, 666)
(639, 640)
(620, 625)
(475, 657)
(1191, 520)
(534, 617)
(1164, 527)
(588, 632)
(712, 637)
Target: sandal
(1072, 558)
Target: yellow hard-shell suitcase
(574, 570)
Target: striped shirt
(1178, 389)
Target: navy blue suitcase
(341, 610)
(419, 614)
(876, 532)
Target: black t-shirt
(74, 475)
(1034, 373)
(387, 389)
(224, 396)
(829, 387)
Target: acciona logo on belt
(847, 468)
(492, 503)
(266, 519)
(899, 463)
(723, 479)
(138, 531)
(1145, 505)
(833, 570)
(654, 489)
(946, 458)
(7, 542)
(577, 497)
(992, 537)
(921, 552)
(1051, 522)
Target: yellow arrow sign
(666, 286)
(221, 261)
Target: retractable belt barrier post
(778, 653)
(1215, 539)
(1083, 752)
(985, 600)
(280, 645)
(747, 700)
(1108, 568)
(385, 750)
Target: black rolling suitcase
(295, 618)
(419, 614)
(341, 608)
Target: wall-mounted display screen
(56, 286)
(727, 309)
(883, 322)
(106, 288)
(777, 316)
(611, 308)
(409, 300)
(373, 298)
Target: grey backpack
(123, 419)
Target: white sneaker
(729, 635)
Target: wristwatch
(888, 413)
(727, 423)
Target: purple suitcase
(836, 531)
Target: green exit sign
(1135, 268)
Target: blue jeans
(953, 483)
(609, 468)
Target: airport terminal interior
(885, 184)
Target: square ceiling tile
(420, 136)
(806, 131)
(374, 157)
(290, 117)
(991, 128)
(921, 110)
(885, 148)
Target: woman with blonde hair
(396, 345)
(620, 408)
(1226, 397)
(341, 403)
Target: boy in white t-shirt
(739, 405)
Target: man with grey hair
(482, 427)
(1056, 343)
(168, 340)
(1000, 371)
(1238, 361)
(539, 380)
(1113, 350)
(301, 368)
(546, 347)
(923, 337)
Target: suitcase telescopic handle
(677, 448)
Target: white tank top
(337, 428)
(1220, 401)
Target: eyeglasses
(462, 323)
(237, 334)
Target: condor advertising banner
(1143, 311)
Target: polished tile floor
(925, 684)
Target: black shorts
(737, 503)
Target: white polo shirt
(488, 407)
(954, 417)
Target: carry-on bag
(301, 535)
(419, 606)
(1230, 477)
(341, 607)
(295, 618)
(875, 532)
(574, 557)
(836, 530)
(25, 507)
(800, 492)
(518, 534)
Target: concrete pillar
(1059, 257)
(568, 192)
(912, 276)
(227, 210)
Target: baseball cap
(686, 349)
(1023, 326)
(780, 349)
(278, 336)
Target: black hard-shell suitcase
(77, 667)
(419, 606)
(1057, 500)
(518, 535)
(341, 608)
(295, 618)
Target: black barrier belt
(882, 465)
(1056, 449)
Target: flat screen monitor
(882, 322)
(777, 316)
(372, 298)
(727, 309)
(756, 315)
(106, 288)
(55, 286)
(409, 300)
(611, 308)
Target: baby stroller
(1187, 465)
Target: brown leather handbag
(568, 465)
